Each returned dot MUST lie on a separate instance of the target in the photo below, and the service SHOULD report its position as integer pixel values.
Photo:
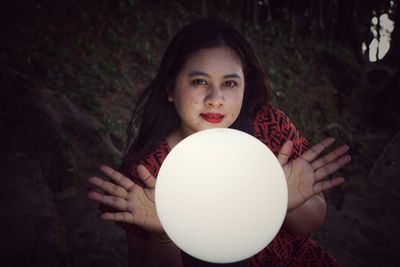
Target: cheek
(186, 96)
(237, 100)
(185, 100)
(178, 97)
(193, 100)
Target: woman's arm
(306, 178)
(152, 252)
(308, 217)
(305, 170)
(133, 204)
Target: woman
(210, 77)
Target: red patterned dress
(273, 128)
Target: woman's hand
(134, 204)
(306, 175)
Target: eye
(200, 82)
(230, 84)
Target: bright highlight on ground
(221, 195)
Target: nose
(215, 97)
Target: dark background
(70, 71)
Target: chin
(215, 126)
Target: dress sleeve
(272, 127)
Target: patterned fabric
(273, 128)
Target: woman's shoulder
(156, 157)
(268, 123)
(268, 113)
(273, 127)
(152, 160)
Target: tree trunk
(320, 24)
(255, 12)
(268, 10)
(378, 35)
(204, 8)
(346, 26)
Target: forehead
(214, 60)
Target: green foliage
(88, 100)
(111, 125)
(117, 160)
(116, 45)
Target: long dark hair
(154, 117)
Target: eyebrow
(200, 73)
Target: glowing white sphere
(221, 195)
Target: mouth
(212, 117)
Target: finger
(112, 201)
(285, 152)
(118, 217)
(108, 187)
(328, 184)
(314, 151)
(330, 157)
(331, 167)
(123, 181)
(146, 176)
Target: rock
(50, 146)
(32, 234)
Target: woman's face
(209, 90)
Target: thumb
(285, 152)
(146, 176)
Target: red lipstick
(212, 117)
